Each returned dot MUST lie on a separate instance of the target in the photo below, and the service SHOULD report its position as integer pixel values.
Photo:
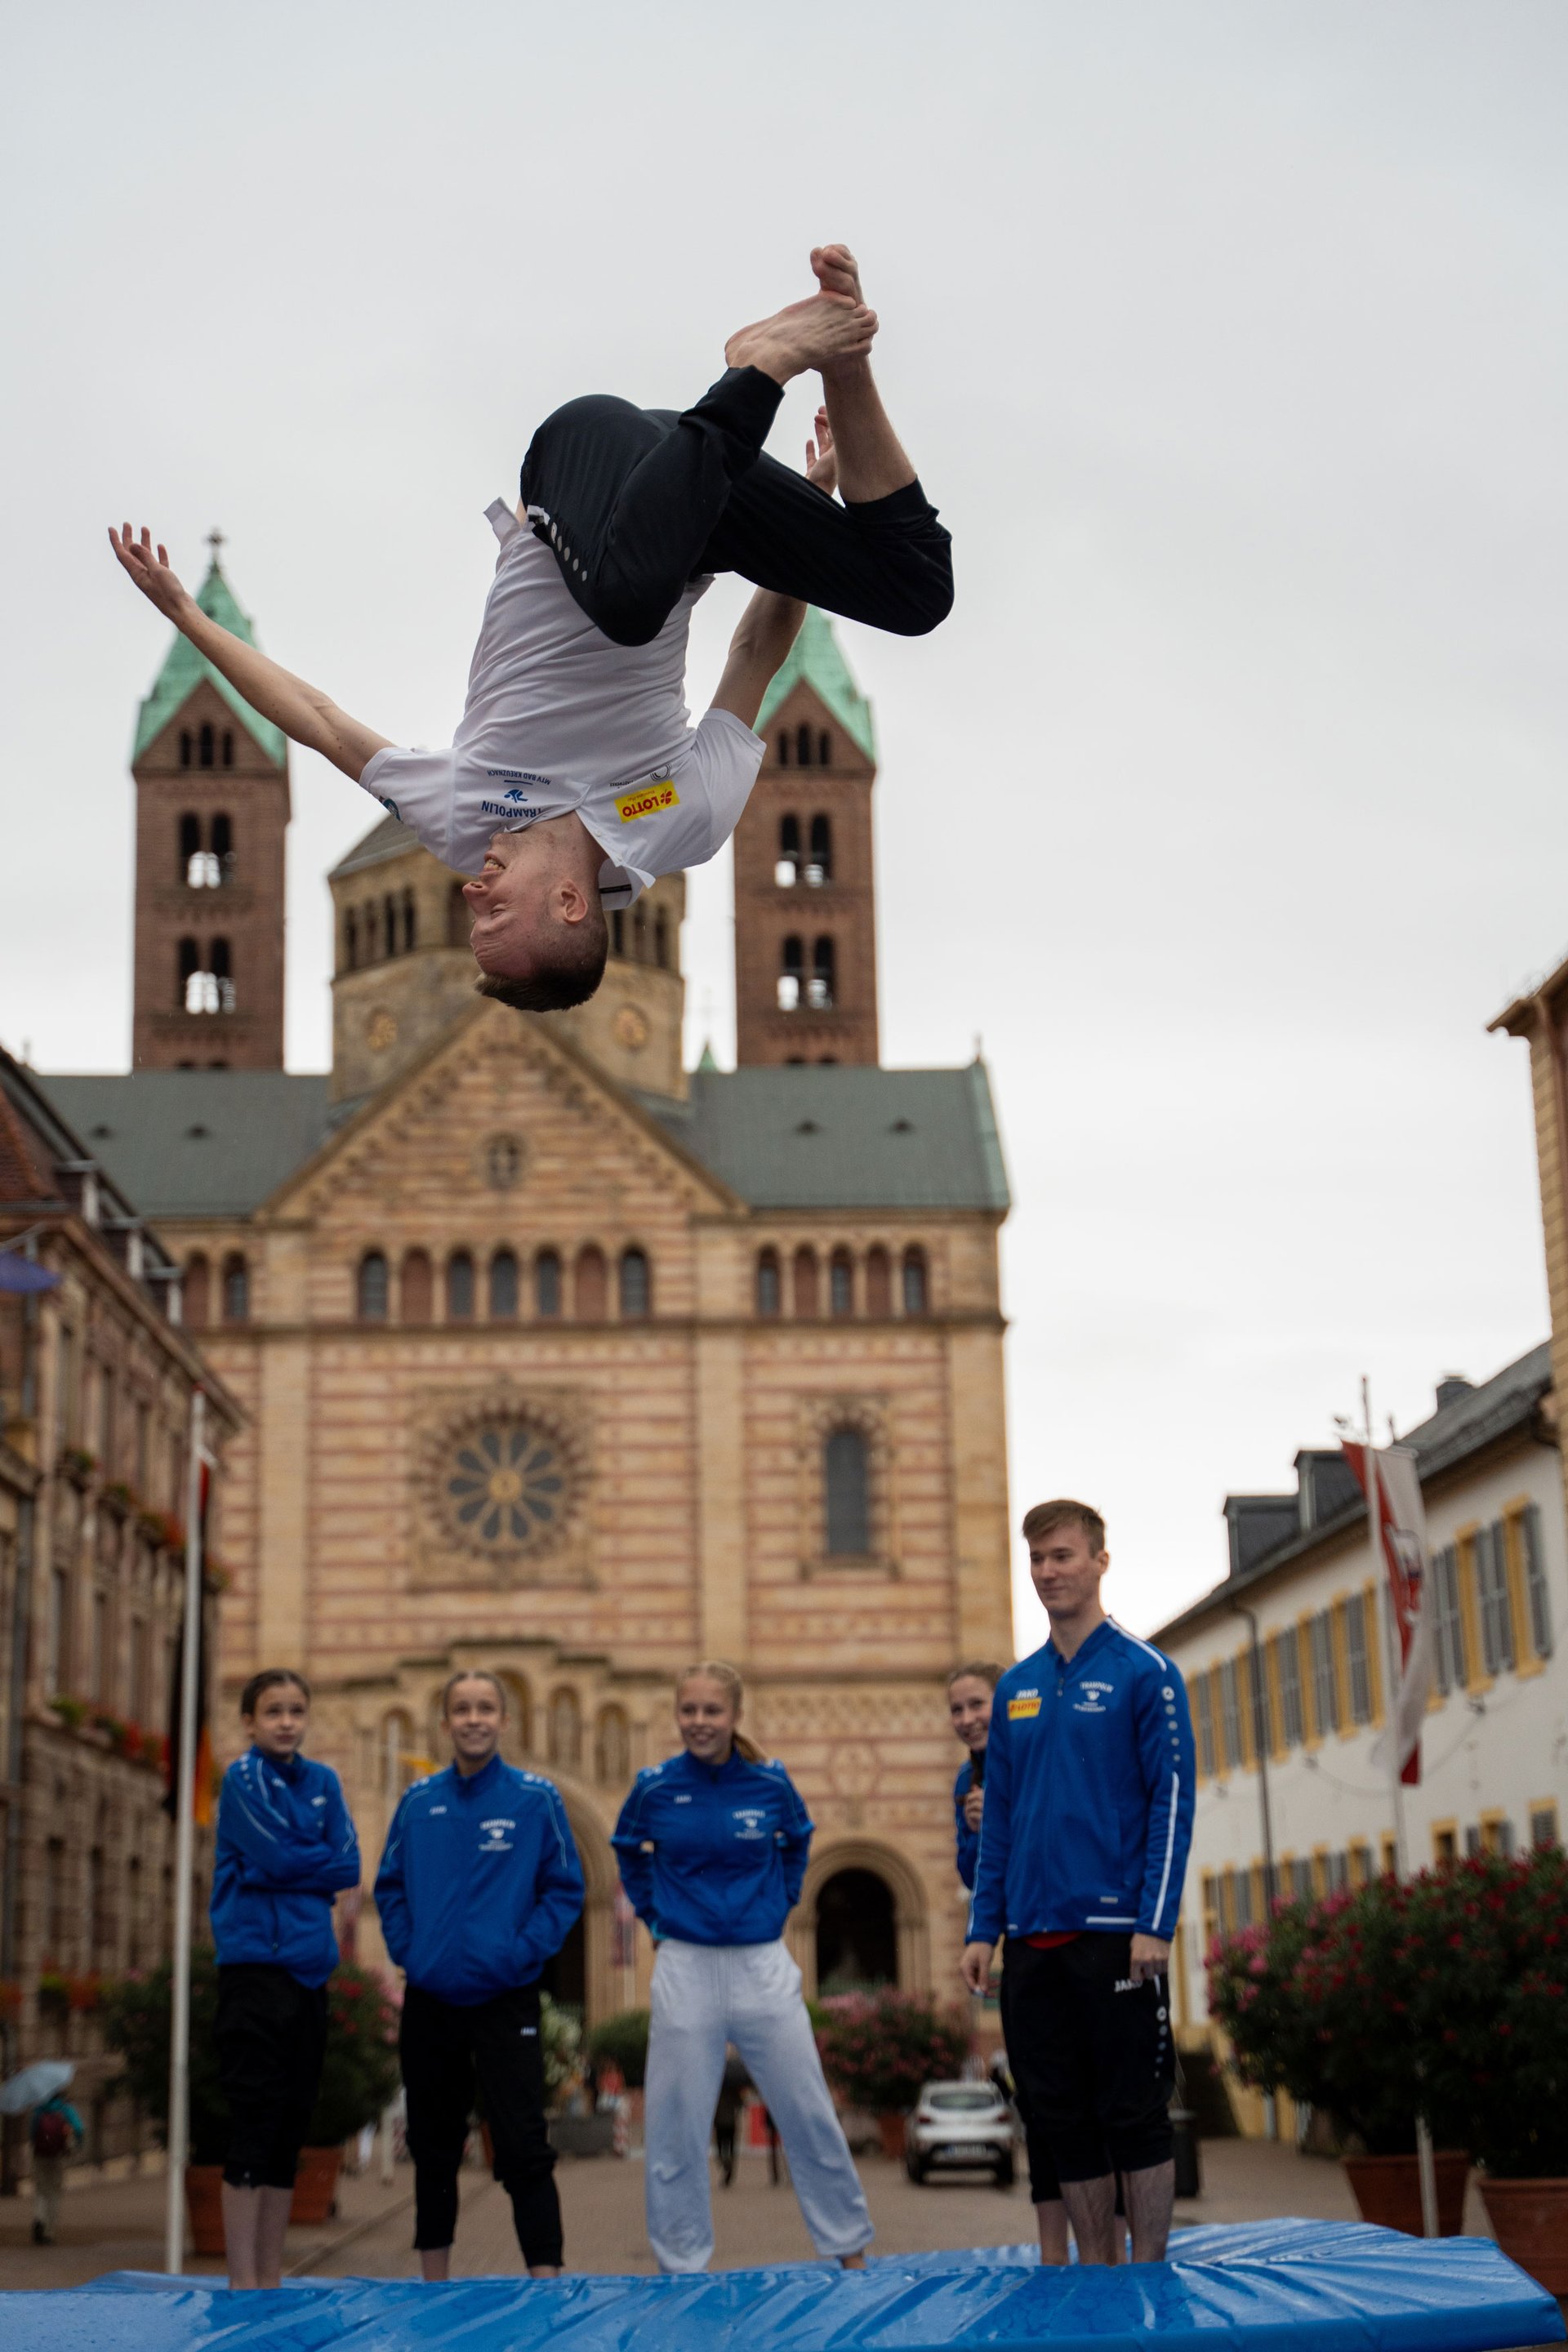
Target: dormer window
(206, 746)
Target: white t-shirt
(560, 717)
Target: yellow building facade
(558, 1358)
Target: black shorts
(1044, 2187)
(271, 2036)
(1091, 2054)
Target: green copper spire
(814, 657)
(185, 668)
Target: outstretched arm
(304, 713)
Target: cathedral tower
(212, 810)
(805, 909)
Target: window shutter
(1540, 1599)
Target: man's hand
(1150, 1959)
(151, 570)
(976, 1965)
(973, 1805)
(821, 456)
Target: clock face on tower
(630, 1028)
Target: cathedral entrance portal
(856, 1933)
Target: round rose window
(505, 1486)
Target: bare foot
(837, 270)
(823, 329)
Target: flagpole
(184, 1854)
(1393, 1671)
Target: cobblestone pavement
(117, 2225)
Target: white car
(960, 2125)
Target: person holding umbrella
(55, 2133)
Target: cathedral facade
(558, 1358)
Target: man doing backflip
(1083, 1849)
(573, 779)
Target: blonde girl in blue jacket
(712, 1848)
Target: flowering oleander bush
(879, 2048)
(622, 2041)
(359, 2073)
(137, 2018)
(1448, 1995)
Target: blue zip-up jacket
(1089, 1794)
(286, 1846)
(480, 1882)
(968, 1839)
(713, 1854)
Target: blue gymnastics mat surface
(1290, 2286)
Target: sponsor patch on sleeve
(1027, 1704)
(646, 800)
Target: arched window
(612, 1748)
(459, 1287)
(228, 747)
(184, 747)
(547, 1284)
(189, 960)
(416, 1291)
(819, 989)
(459, 922)
(790, 973)
(223, 972)
(517, 1731)
(787, 867)
(591, 1289)
(410, 923)
(804, 1281)
(398, 1761)
(878, 1283)
(825, 750)
(350, 940)
(619, 932)
(783, 749)
(845, 1483)
(803, 746)
(769, 1288)
(841, 1284)
(565, 1730)
(190, 841)
(236, 1289)
(371, 1300)
(819, 863)
(371, 933)
(389, 918)
(206, 745)
(637, 1286)
(222, 847)
(503, 1287)
(194, 1302)
(915, 1287)
(856, 1933)
(662, 939)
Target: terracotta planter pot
(316, 2184)
(203, 2207)
(891, 2126)
(1531, 2218)
(1387, 2189)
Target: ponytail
(719, 1671)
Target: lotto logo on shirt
(1021, 1708)
(647, 800)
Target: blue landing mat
(1288, 2286)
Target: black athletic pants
(1091, 2054)
(270, 2033)
(1044, 2185)
(638, 502)
(448, 2052)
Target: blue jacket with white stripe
(713, 1854)
(480, 1882)
(1089, 1794)
(967, 1840)
(286, 1847)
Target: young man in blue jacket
(1083, 1849)
(479, 1885)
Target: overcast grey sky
(1227, 808)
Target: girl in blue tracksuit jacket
(712, 1848)
(285, 1849)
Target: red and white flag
(1403, 1527)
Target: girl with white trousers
(713, 1846)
